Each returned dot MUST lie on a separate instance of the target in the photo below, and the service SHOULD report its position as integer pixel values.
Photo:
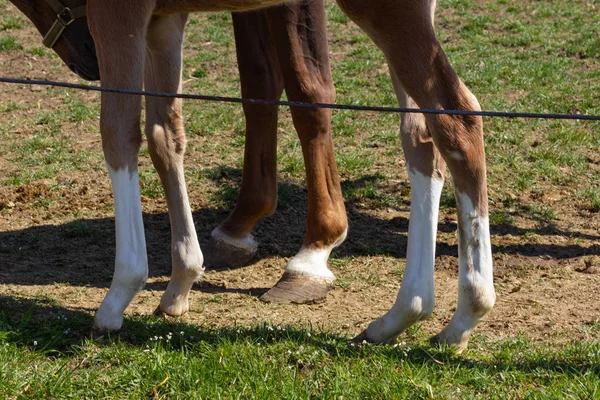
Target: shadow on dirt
(82, 252)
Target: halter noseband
(64, 17)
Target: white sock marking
(313, 262)
(476, 282)
(131, 261)
(248, 243)
(415, 299)
(476, 294)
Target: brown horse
(139, 44)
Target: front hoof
(222, 251)
(298, 289)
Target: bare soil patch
(57, 238)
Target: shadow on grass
(82, 252)
(55, 331)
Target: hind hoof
(222, 251)
(298, 289)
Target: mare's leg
(231, 244)
(403, 30)
(166, 144)
(121, 50)
(302, 50)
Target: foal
(139, 43)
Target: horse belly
(177, 6)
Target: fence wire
(355, 107)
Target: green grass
(8, 43)
(44, 353)
(12, 22)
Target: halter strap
(64, 17)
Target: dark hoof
(435, 340)
(158, 312)
(220, 254)
(298, 289)
(361, 338)
(99, 334)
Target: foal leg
(403, 30)
(166, 145)
(231, 243)
(121, 47)
(303, 54)
(426, 169)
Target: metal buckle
(63, 15)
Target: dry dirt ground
(57, 239)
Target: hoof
(458, 345)
(106, 321)
(223, 252)
(298, 289)
(174, 309)
(362, 338)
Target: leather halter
(65, 16)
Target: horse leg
(425, 167)
(166, 145)
(302, 51)
(406, 36)
(231, 243)
(121, 50)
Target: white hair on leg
(131, 260)
(415, 299)
(476, 295)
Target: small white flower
(364, 341)
(35, 342)
(457, 390)
(308, 334)
(181, 333)
(278, 328)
